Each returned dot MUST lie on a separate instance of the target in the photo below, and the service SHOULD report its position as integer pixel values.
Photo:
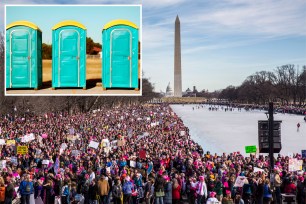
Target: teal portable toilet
(69, 55)
(23, 55)
(120, 55)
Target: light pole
(271, 148)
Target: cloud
(163, 3)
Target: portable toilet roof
(69, 54)
(24, 55)
(69, 23)
(119, 22)
(23, 23)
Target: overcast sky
(223, 41)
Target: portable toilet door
(120, 55)
(69, 55)
(23, 55)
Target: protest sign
(28, 138)
(132, 164)
(250, 149)
(295, 164)
(46, 162)
(22, 149)
(38, 152)
(2, 142)
(44, 136)
(114, 143)
(105, 143)
(75, 153)
(2, 164)
(256, 169)
(14, 161)
(94, 144)
(64, 146)
(239, 181)
(10, 142)
(182, 133)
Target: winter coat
(267, 192)
(176, 193)
(23, 188)
(92, 192)
(168, 193)
(117, 191)
(127, 187)
(103, 187)
(159, 184)
(290, 188)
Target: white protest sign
(132, 164)
(28, 138)
(239, 181)
(153, 124)
(75, 153)
(38, 152)
(2, 142)
(295, 164)
(256, 169)
(2, 164)
(46, 162)
(105, 143)
(114, 143)
(182, 133)
(94, 144)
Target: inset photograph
(73, 50)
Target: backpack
(2, 194)
(28, 187)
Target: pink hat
(228, 192)
(301, 178)
(160, 172)
(201, 178)
(166, 178)
(212, 194)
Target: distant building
(169, 91)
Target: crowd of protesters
(149, 158)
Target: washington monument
(177, 59)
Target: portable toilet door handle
(129, 58)
(77, 57)
(29, 57)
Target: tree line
(286, 85)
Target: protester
(147, 147)
(267, 196)
(26, 189)
(117, 192)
